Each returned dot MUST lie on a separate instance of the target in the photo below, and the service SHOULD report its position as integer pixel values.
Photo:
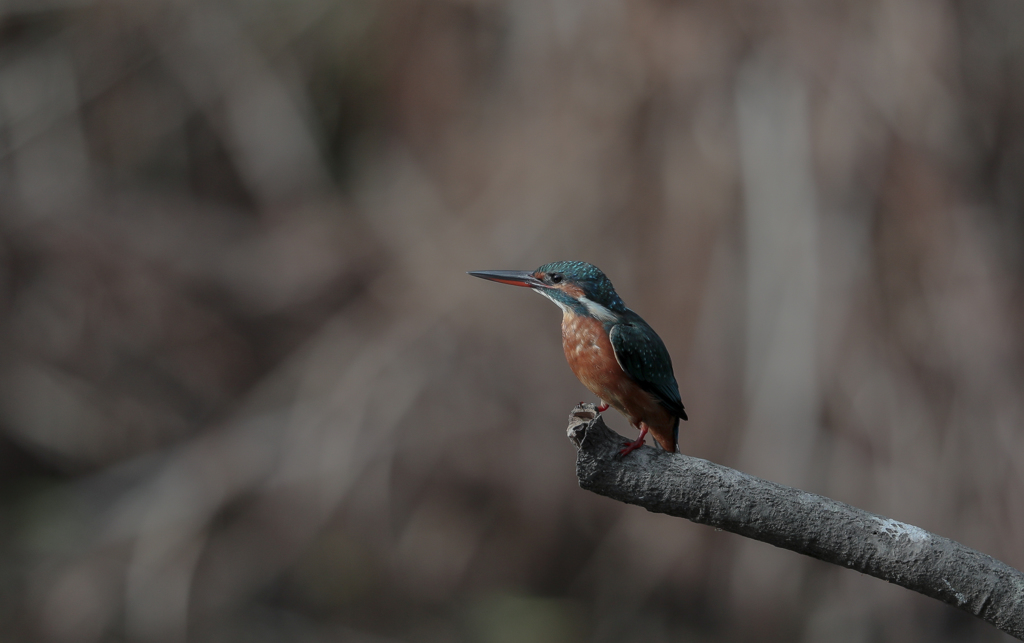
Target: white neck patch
(597, 310)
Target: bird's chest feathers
(588, 351)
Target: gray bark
(826, 529)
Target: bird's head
(577, 287)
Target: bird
(610, 348)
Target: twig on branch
(826, 529)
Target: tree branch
(826, 529)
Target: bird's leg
(602, 407)
(635, 444)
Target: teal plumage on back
(643, 356)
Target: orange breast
(592, 359)
(590, 355)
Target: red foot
(635, 444)
(602, 407)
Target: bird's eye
(555, 278)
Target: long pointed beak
(511, 277)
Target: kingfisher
(611, 349)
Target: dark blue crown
(596, 286)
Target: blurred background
(248, 394)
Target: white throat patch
(543, 293)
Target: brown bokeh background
(247, 392)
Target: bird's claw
(631, 446)
(635, 444)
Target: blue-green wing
(643, 356)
